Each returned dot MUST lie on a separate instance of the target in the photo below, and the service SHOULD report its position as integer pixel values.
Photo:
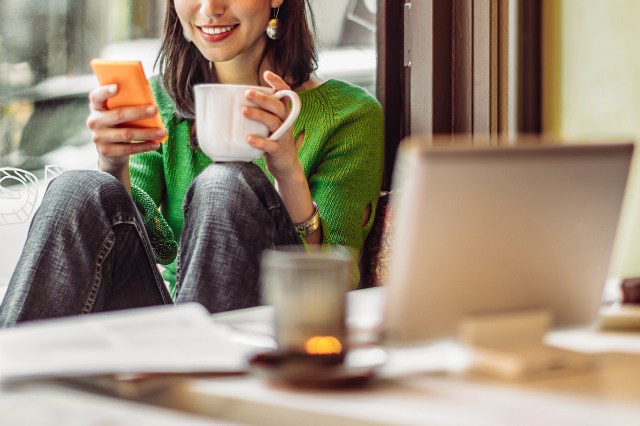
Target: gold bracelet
(310, 225)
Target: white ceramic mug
(221, 128)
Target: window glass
(45, 49)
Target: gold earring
(273, 29)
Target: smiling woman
(233, 36)
(45, 75)
(97, 238)
(208, 26)
(45, 79)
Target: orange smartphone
(133, 88)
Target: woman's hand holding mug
(241, 123)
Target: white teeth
(218, 30)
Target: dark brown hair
(181, 65)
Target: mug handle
(291, 118)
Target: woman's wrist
(291, 181)
(292, 175)
(294, 190)
(311, 225)
(119, 171)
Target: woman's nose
(212, 8)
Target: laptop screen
(501, 229)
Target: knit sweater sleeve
(148, 188)
(346, 184)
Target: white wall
(591, 91)
(329, 16)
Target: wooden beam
(390, 84)
(462, 66)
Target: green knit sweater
(342, 157)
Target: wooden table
(424, 385)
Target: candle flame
(323, 345)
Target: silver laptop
(501, 229)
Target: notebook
(500, 229)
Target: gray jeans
(87, 250)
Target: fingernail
(161, 133)
(113, 88)
(250, 94)
(151, 110)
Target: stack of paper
(167, 339)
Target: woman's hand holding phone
(115, 110)
(114, 142)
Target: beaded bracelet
(310, 225)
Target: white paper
(167, 339)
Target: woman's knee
(219, 176)
(223, 181)
(229, 189)
(84, 188)
(80, 181)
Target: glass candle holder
(308, 291)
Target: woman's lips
(214, 34)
